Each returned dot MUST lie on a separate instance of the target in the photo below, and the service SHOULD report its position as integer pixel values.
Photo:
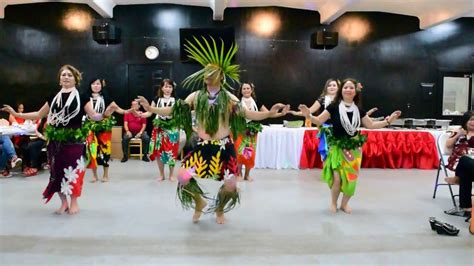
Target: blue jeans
(7, 151)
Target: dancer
(325, 99)
(246, 144)
(98, 142)
(66, 138)
(342, 165)
(164, 143)
(217, 113)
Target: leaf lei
(164, 124)
(223, 109)
(253, 128)
(104, 125)
(66, 135)
(345, 143)
(182, 117)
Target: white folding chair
(443, 162)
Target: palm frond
(212, 59)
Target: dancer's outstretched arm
(157, 110)
(314, 108)
(369, 123)
(96, 116)
(43, 112)
(280, 114)
(120, 110)
(277, 110)
(318, 120)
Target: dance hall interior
(236, 132)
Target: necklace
(349, 126)
(63, 115)
(99, 104)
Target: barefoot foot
(220, 219)
(333, 208)
(105, 179)
(73, 209)
(61, 210)
(346, 209)
(172, 179)
(94, 179)
(201, 204)
(160, 178)
(249, 178)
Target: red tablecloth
(383, 149)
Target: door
(145, 79)
(457, 93)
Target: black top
(322, 108)
(321, 103)
(76, 121)
(338, 129)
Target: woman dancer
(246, 144)
(66, 138)
(164, 143)
(98, 142)
(342, 165)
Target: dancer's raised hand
(304, 110)
(7, 108)
(276, 108)
(394, 116)
(143, 102)
(110, 109)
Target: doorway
(145, 79)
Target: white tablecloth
(28, 129)
(279, 147)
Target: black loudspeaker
(324, 40)
(106, 33)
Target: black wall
(391, 62)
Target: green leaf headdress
(217, 64)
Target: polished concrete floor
(283, 219)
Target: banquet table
(296, 148)
(279, 147)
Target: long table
(296, 148)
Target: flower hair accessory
(359, 87)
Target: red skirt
(164, 145)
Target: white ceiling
(430, 12)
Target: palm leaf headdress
(217, 64)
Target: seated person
(16, 120)
(7, 152)
(32, 150)
(19, 141)
(134, 126)
(462, 163)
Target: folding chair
(137, 143)
(443, 162)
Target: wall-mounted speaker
(106, 33)
(324, 40)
